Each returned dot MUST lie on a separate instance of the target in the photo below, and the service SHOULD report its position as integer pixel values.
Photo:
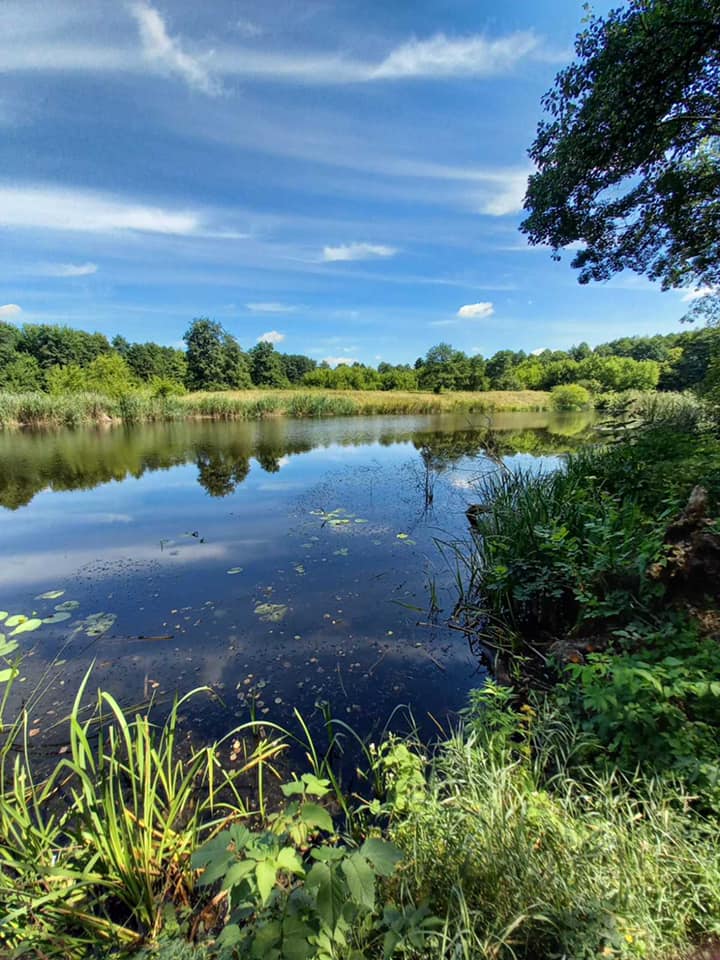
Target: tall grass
(531, 866)
(41, 409)
(98, 849)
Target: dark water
(283, 563)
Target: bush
(570, 396)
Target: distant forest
(61, 360)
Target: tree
(628, 160)
(110, 375)
(215, 360)
(56, 346)
(21, 374)
(295, 366)
(266, 368)
(443, 368)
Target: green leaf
(313, 815)
(9, 674)
(237, 873)
(6, 646)
(289, 861)
(15, 619)
(330, 893)
(328, 854)
(384, 856)
(27, 626)
(3, 614)
(57, 618)
(265, 874)
(50, 595)
(360, 879)
(230, 935)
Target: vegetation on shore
(62, 361)
(42, 409)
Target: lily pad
(15, 620)
(299, 568)
(403, 536)
(3, 614)
(342, 552)
(98, 623)
(233, 570)
(57, 618)
(6, 646)
(271, 612)
(50, 595)
(67, 605)
(27, 626)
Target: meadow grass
(41, 409)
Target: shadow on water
(282, 563)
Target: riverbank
(45, 410)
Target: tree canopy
(628, 156)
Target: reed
(46, 410)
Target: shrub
(570, 396)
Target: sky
(343, 179)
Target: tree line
(60, 360)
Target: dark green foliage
(54, 346)
(295, 894)
(577, 565)
(20, 373)
(295, 366)
(627, 156)
(266, 366)
(214, 358)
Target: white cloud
(339, 361)
(10, 310)
(476, 311)
(166, 52)
(272, 336)
(690, 295)
(271, 307)
(357, 251)
(538, 352)
(442, 323)
(54, 208)
(248, 28)
(442, 56)
(69, 269)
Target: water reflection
(223, 452)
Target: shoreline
(38, 410)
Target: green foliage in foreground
(572, 575)
(497, 845)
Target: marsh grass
(529, 857)
(41, 409)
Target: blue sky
(345, 179)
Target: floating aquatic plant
(271, 612)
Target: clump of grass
(99, 850)
(532, 866)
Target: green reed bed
(41, 409)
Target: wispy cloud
(10, 310)
(271, 307)
(56, 208)
(68, 269)
(248, 28)
(442, 56)
(357, 251)
(691, 295)
(476, 311)
(272, 336)
(166, 54)
(339, 361)
(538, 351)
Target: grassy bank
(41, 409)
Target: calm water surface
(283, 563)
